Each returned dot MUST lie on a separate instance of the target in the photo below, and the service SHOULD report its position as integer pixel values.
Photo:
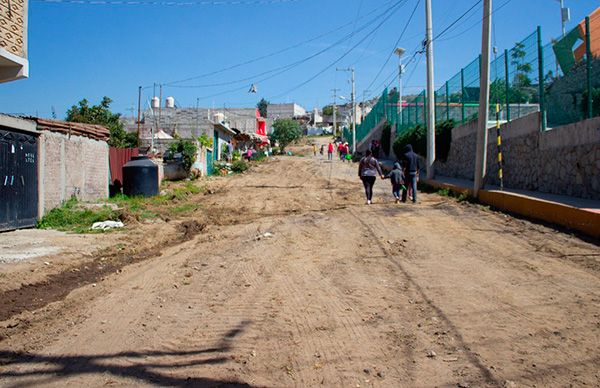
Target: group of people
(403, 177)
(342, 148)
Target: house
(45, 163)
(14, 64)
(285, 111)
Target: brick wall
(72, 166)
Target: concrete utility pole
(399, 52)
(484, 97)
(430, 93)
(351, 69)
(334, 109)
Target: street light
(399, 52)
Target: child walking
(397, 180)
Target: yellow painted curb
(585, 221)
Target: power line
(284, 68)
(395, 44)
(271, 54)
(165, 3)
(385, 19)
(474, 24)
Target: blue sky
(91, 50)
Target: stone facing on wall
(73, 166)
(564, 160)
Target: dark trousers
(368, 182)
(412, 181)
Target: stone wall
(563, 160)
(72, 166)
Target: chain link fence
(560, 79)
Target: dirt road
(294, 282)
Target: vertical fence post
(447, 102)
(462, 95)
(588, 61)
(541, 78)
(424, 109)
(506, 85)
(417, 110)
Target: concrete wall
(71, 166)
(563, 160)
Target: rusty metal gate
(18, 180)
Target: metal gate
(18, 180)
(209, 162)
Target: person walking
(410, 160)
(368, 169)
(397, 180)
(314, 149)
(229, 152)
(330, 151)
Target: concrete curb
(582, 220)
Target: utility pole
(399, 52)
(139, 112)
(430, 93)
(351, 69)
(160, 105)
(484, 96)
(334, 109)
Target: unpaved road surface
(288, 280)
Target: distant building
(285, 111)
(13, 40)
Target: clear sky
(91, 50)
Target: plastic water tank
(170, 102)
(140, 177)
(155, 102)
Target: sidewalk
(575, 213)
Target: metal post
(447, 102)
(462, 95)
(430, 93)
(484, 97)
(139, 118)
(562, 17)
(588, 62)
(499, 139)
(334, 109)
(507, 85)
(353, 112)
(400, 92)
(541, 78)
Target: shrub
(285, 131)
(71, 216)
(188, 152)
(417, 137)
(239, 166)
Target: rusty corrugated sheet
(118, 157)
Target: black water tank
(140, 177)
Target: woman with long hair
(368, 169)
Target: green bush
(188, 151)
(595, 103)
(239, 166)
(417, 137)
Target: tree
(285, 131)
(102, 115)
(328, 110)
(262, 107)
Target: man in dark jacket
(410, 161)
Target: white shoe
(368, 202)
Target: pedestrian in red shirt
(330, 151)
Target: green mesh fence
(524, 79)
